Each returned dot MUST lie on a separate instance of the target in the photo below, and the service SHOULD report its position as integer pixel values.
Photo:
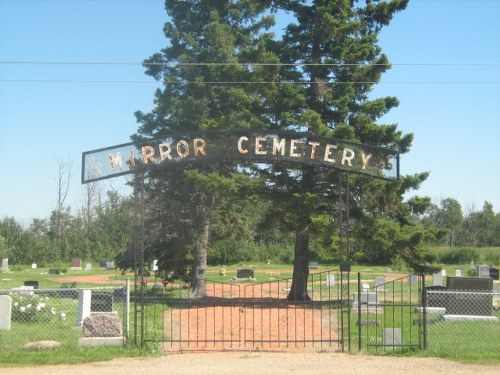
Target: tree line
(242, 233)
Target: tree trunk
(198, 280)
(298, 290)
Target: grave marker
(412, 279)
(330, 280)
(437, 279)
(102, 263)
(458, 272)
(101, 302)
(88, 266)
(110, 266)
(484, 270)
(6, 309)
(245, 273)
(84, 300)
(76, 264)
(391, 337)
(380, 283)
(5, 265)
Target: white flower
(63, 316)
(53, 311)
(22, 309)
(28, 306)
(16, 304)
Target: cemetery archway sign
(240, 146)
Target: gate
(246, 316)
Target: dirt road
(255, 363)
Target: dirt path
(255, 363)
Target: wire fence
(32, 318)
(459, 320)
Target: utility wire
(235, 63)
(171, 82)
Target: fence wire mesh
(40, 318)
(458, 320)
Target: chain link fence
(32, 318)
(458, 320)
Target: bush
(459, 256)
(31, 308)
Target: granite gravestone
(469, 296)
(245, 273)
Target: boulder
(102, 325)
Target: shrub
(459, 256)
(31, 308)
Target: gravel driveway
(260, 363)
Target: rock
(40, 345)
(102, 325)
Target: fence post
(359, 311)
(127, 308)
(424, 312)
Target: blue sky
(446, 74)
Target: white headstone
(484, 270)
(33, 266)
(84, 299)
(366, 298)
(6, 309)
(458, 272)
(379, 283)
(443, 273)
(437, 279)
(413, 279)
(110, 266)
(5, 265)
(88, 266)
(330, 280)
(391, 336)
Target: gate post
(424, 312)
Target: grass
(453, 344)
(71, 355)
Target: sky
(445, 73)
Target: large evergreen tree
(316, 78)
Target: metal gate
(246, 316)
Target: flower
(22, 309)
(62, 316)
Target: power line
(172, 82)
(235, 63)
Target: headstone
(436, 296)
(53, 271)
(467, 296)
(443, 273)
(102, 325)
(153, 267)
(110, 266)
(157, 289)
(102, 263)
(484, 270)
(6, 309)
(366, 286)
(88, 266)
(33, 266)
(84, 300)
(390, 270)
(35, 284)
(313, 265)
(458, 272)
(25, 290)
(380, 283)
(412, 279)
(245, 273)
(437, 279)
(366, 298)
(76, 264)
(101, 302)
(5, 265)
(494, 273)
(330, 280)
(391, 337)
